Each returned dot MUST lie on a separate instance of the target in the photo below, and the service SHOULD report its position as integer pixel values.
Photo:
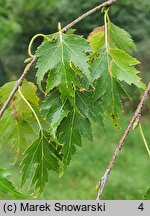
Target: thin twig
(93, 10)
(18, 83)
(27, 68)
(136, 116)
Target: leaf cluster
(82, 81)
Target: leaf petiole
(106, 29)
(29, 105)
(106, 20)
(32, 40)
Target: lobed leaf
(123, 68)
(40, 157)
(107, 88)
(70, 134)
(56, 58)
(54, 110)
(90, 110)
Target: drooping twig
(18, 83)
(27, 68)
(135, 117)
(93, 10)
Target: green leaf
(28, 89)
(90, 110)
(67, 84)
(16, 133)
(123, 68)
(99, 66)
(40, 157)
(54, 78)
(109, 91)
(70, 134)
(107, 88)
(8, 187)
(55, 57)
(96, 38)
(54, 110)
(18, 105)
(120, 38)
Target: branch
(18, 83)
(136, 117)
(27, 68)
(97, 8)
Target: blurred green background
(20, 20)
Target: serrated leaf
(90, 110)
(8, 187)
(29, 90)
(64, 77)
(17, 133)
(107, 89)
(70, 134)
(96, 38)
(120, 38)
(18, 105)
(67, 84)
(54, 110)
(54, 78)
(57, 56)
(100, 70)
(40, 157)
(123, 68)
(99, 66)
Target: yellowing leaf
(96, 38)
(18, 105)
(117, 38)
(16, 133)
